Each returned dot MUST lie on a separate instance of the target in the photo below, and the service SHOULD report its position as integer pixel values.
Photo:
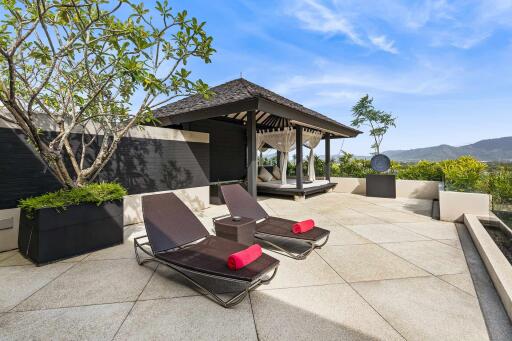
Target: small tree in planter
(92, 68)
(378, 121)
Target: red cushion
(303, 226)
(245, 257)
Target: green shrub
(319, 166)
(348, 166)
(499, 184)
(423, 170)
(95, 193)
(463, 174)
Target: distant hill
(499, 149)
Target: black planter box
(50, 235)
(381, 186)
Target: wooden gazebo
(254, 108)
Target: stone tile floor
(388, 272)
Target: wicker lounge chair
(241, 203)
(176, 238)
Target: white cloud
(383, 43)
(334, 84)
(462, 24)
(334, 97)
(317, 16)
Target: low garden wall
(197, 198)
(9, 222)
(453, 205)
(415, 189)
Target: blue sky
(443, 68)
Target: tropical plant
(378, 121)
(92, 68)
(348, 166)
(463, 174)
(499, 184)
(422, 170)
(319, 166)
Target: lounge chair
(241, 203)
(176, 238)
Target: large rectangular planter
(496, 263)
(49, 235)
(381, 186)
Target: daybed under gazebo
(241, 118)
(274, 179)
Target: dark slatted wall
(22, 174)
(227, 148)
(141, 165)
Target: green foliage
(499, 184)
(348, 166)
(94, 193)
(423, 170)
(319, 166)
(268, 161)
(364, 113)
(463, 174)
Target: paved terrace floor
(388, 272)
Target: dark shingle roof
(235, 91)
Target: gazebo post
(327, 163)
(298, 165)
(278, 158)
(252, 168)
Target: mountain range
(499, 149)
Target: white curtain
(311, 140)
(260, 142)
(282, 140)
(259, 146)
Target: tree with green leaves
(378, 121)
(95, 68)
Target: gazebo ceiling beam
(297, 117)
(240, 114)
(268, 120)
(259, 104)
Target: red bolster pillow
(303, 226)
(245, 257)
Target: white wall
(9, 222)
(196, 198)
(453, 205)
(404, 188)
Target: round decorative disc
(380, 163)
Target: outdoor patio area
(387, 272)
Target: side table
(241, 230)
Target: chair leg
(137, 245)
(319, 246)
(234, 300)
(297, 256)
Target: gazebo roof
(233, 99)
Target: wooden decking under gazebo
(241, 107)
